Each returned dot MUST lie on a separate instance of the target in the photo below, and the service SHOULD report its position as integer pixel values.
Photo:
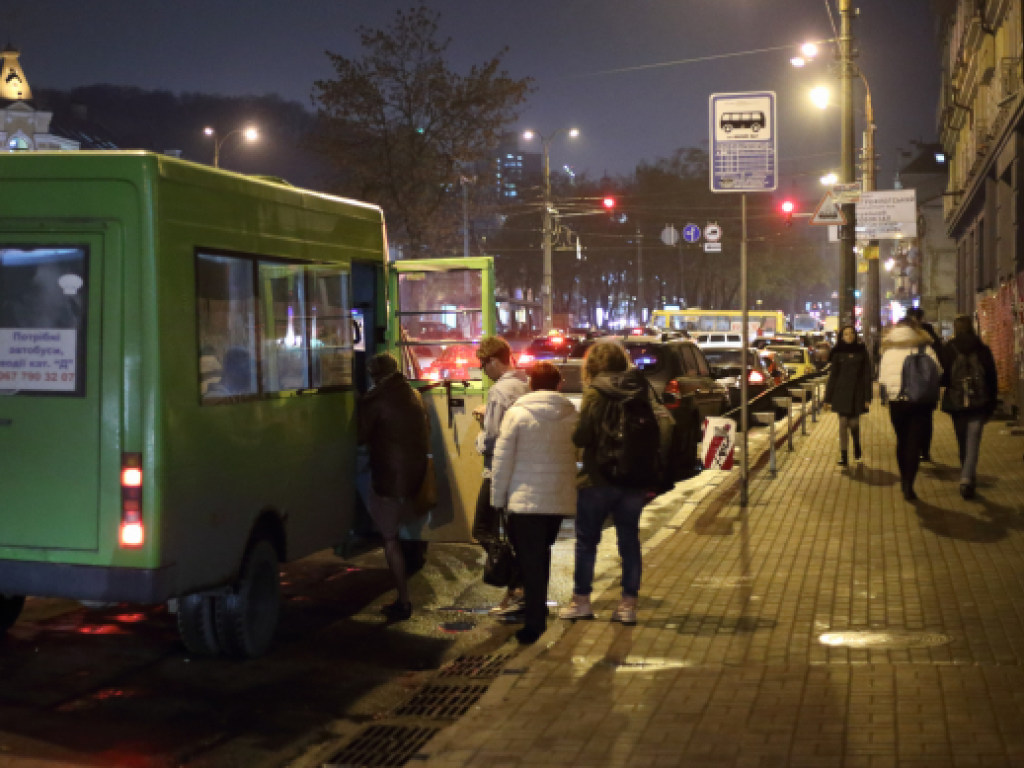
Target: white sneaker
(626, 612)
(578, 608)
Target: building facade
(22, 126)
(981, 127)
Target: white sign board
(744, 155)
(38, 359)
(887, 215)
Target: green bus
(181, 350)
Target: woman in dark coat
(849, 388)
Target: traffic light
(609, 203)
(788, 207)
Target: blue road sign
(744, 142)
(691, 233)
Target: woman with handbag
(393, 424)
(533, 480)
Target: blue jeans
(593, 505)
(968, 426)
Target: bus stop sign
(744, 142)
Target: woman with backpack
(848, 391)
(908, 377)
(606, 484)
(970, 397)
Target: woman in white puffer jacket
(533, 477)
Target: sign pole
(744, 318)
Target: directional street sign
(744, 142)
(828, 212)
(691, 233)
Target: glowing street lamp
(545, 290)
(249, 133)
(820, 96)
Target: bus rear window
(43, 304)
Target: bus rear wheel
(10, 610)
(247, 616)
(196, 625)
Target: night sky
(590, 59)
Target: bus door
(439, 310)
(368, 319)
(50, 398)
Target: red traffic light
(608, 202)
(788, 206)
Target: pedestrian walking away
(917, 315)
(393, 424)
(908, 377)
(608, 378)
(495, 356)
(972, 389)
(532, 479)
(848, 391)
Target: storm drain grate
(475, 666)
(382, 745)
(445, 702)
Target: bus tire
(196, 625)
(247, 616)
(10, 610)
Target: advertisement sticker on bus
(38, 359)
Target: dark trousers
(487, 526)
(532, 537)
(926, 438)
(909, 421)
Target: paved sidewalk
(828, 623)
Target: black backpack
(966, 388)
(919, 382)
(628, 451)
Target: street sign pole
(743, 158)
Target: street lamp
(249, 133)
(545, 290)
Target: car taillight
(132, 532)
(526, 357)
(671, 395)
(556, 340)
(756, 377)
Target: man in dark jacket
(393, 424)
(969, 402)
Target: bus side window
(225, 309)
(286, 324)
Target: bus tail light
(131, 533)
(756, 377)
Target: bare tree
(400, 127)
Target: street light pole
(548, 228)
(847, 259)
(249, 133)
(872, 317)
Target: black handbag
(501, 558)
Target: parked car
(727, 368)
(796, 360)
(727, 339)
(679, 374)
(554, 346)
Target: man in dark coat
(848, 391)
(393, 424)
(968, 402)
